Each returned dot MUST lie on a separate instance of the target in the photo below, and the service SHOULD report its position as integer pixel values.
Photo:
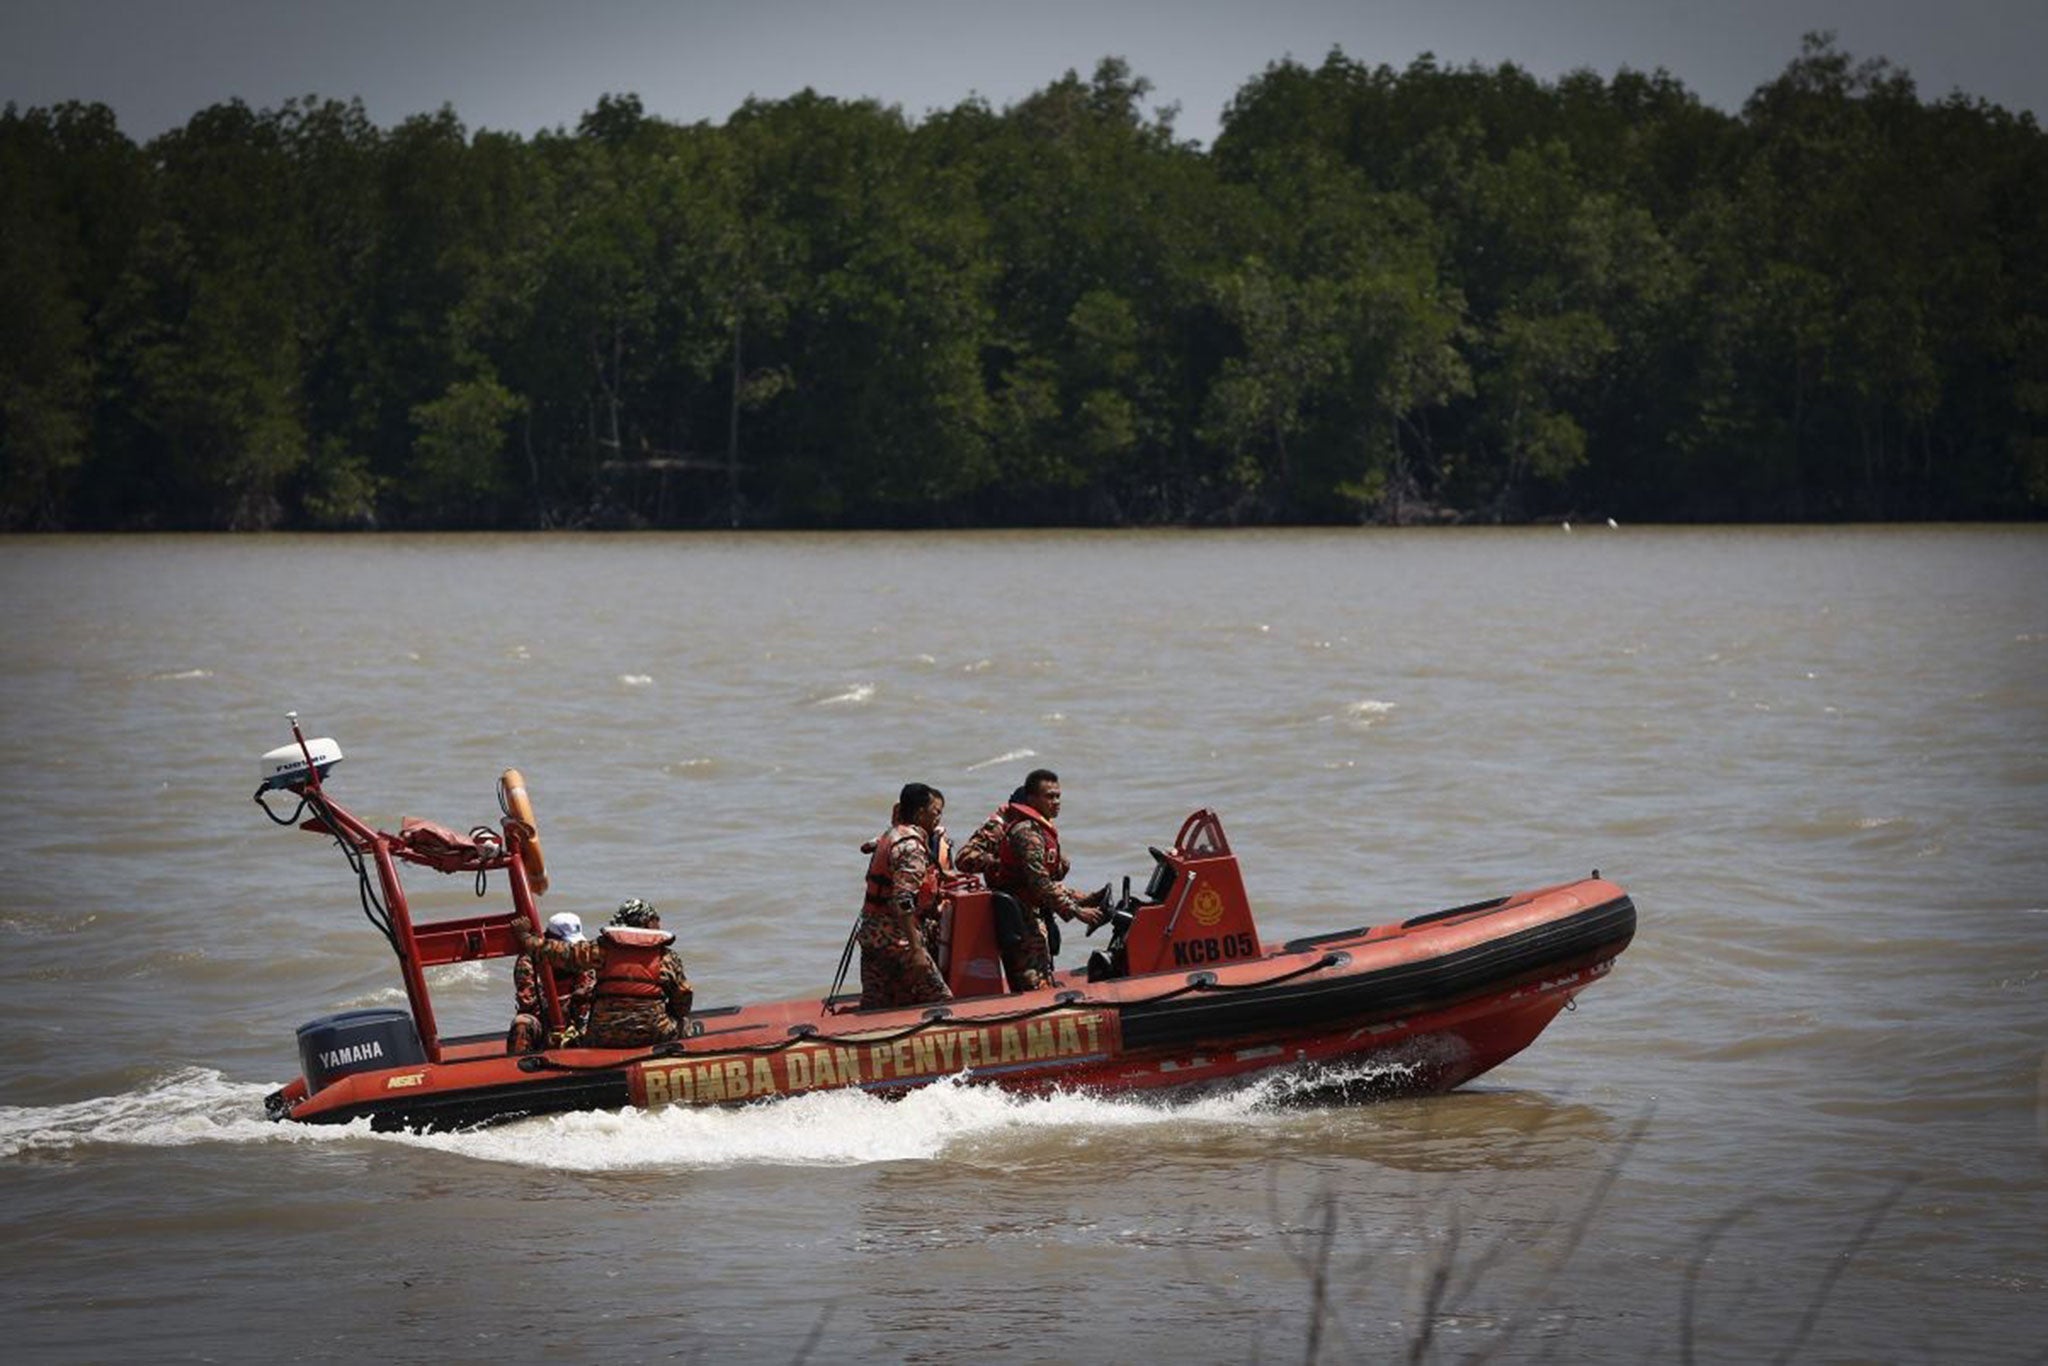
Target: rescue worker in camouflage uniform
(1017, 850)
(942, 855)
(896, 965)
(529, 1032)
(642, 996)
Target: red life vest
(877, 901)
(1009, 875)
(632, 962)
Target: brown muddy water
(1806, 1115)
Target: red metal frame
(459, 940)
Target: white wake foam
(836, 1128)
(1009, 758)
(191, 1105)
(825, 1129)
(475, 972)
(1367, 711)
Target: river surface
(1806, 1116)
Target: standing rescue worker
(529, 1032)
(896, 967)
(1017, 850)
(642, 995)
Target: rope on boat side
(807, 1033)
(1328, 960)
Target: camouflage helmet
(637, 913)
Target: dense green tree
(1104, 231)
(1433, 292)
(210, 331)
(46, 370)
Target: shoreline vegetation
(1431, 295)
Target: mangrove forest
(1434, 294)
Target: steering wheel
(1117, 916)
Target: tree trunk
(732, 435)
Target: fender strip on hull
(1386, 992)
(473, 1107)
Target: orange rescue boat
(1186, 995)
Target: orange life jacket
(877, 901)
(1009, 874)
(632, 962)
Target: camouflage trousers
(629, 1024)
(1027, 960)
(895, 968)
(529, 1035)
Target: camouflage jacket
(910, 862)
(576, 993)
(1037, 883)
(983, 848)
(623, 1022)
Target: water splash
(1009, 758)
(824, 1129)
(475, 972)
(1367, 712)
(378, 996)
(852, 1128)
(191, 1105)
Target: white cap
(566, 926)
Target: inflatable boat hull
(1412, 1008)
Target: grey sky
(525, 65)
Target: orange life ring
(512, 798)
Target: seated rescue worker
(896, 967)
(642, 995)
(1017, 850)
(529, 1032)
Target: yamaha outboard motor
(336, 1046)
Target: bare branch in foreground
(1839, 1265)
(817, 1335)
(1516, 1321)
(1688, 1301)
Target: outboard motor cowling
(336, 1046)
